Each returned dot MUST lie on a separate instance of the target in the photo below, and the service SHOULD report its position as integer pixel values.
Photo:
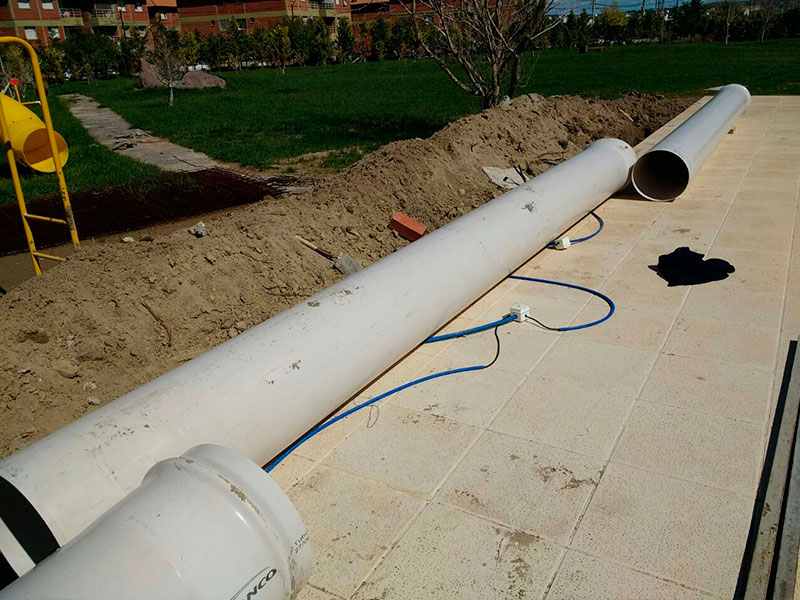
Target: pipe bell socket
(209, 525)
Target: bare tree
(764, 14)
(167, 58)
(729, 11)
(479, 43)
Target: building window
(138, 8)
(224, 24)
(55, 33)
(121, 7)
(213, 23)
(30, 33)
(47, 5)
(252, 19)
(163, 16)
(24, 3)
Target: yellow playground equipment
(36, 145)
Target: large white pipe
(664, 172)
(260, 391)
(209, 525)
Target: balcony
(103, 15)
(326, 9)
(71, 17)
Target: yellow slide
(28, 137)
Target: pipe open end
(36, 151)
(660, 175)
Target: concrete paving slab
(733, 391)
(353, 521)
(701, 447)
(450, 555)
(667, 407)
(406, 449)
(551, 485)
(584, 577)
(561, 413)
(677, 530)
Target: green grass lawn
(90, 164)
(264, 116)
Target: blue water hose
(600, 223)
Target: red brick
(406, 227)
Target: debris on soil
(125, 315)
(406, 227)
(198, 230)
(346, 264)
(127, 239)
(505, 179)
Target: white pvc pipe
(209, 525)
(664, 172)
(260, 391)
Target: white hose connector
(664, 172)
(208, 525)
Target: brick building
(39, 21)
(207, 16)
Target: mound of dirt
(117, 315)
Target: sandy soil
(117, 315)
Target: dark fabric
(684, 267)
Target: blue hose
(606, 299)
(448, 336)
(464, 332)
(588, 237)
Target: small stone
(198, 230)
(89, 385)
(170, 261)
(151, 279)
(127, 239)
(240, 325)
(24, 371)
(93, 400)
(65, 368)
(210, 259)
(232, 332)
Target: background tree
(378, 34)
(724, 15)
(320, 47)
(167, 58)
(485, 40)
(346, 40)
(402, 41)
(763, 16)
(131, 50)
(299, 36)
(14, 64)
(191, 46)
(213, 50)
(261, 45)
(90, 55)
(237, 45)
(51, 61)
(691, 19)
(610, 24)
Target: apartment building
(207, 16)
(40, 21)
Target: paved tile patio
(615, 462)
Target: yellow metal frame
(12, 164)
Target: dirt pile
(117, 315)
